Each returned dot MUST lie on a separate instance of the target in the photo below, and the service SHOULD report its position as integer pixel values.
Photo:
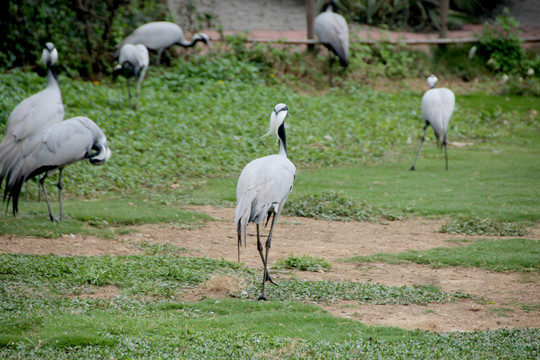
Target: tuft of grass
(140, 275)
(497, 255)
(477, 226)
(333, 291)
(330, 205)
(304, 263)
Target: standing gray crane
(160, 35)
(437, 107)
(333, 32)
(263, 187)
(52, 149)
(134, 61)
(40, 110)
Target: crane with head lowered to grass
(437, 108)
(133, 62)
(160, 35)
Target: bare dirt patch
(508, 299)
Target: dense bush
(84, 32)
(499, 45)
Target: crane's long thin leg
(41, 183)
(141, 77)
(260, 248)
(239, 232)
(445, 152)
(59, 185)
(266, 276)
(331, 74)
(160, 51)
(413, 167)
(129, 91)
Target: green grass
(477, 226)
(161, 275)
(496, 255)
(121, 328)
(333, 291)
(333, 206)
(103, 217)
(487, 180)
(303, 263)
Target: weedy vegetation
(497, 255)
(477, 226)
(303, 263)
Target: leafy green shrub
(332, 206)
(455, 60)
(304, 263)
(478, 226)
(522, 86)
(499, 45)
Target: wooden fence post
(310, 18)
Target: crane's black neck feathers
(282, 137)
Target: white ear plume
(49, 56)
(277, 118)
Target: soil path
(509, 299)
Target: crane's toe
(413, 168)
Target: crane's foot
(53, 219)
(268, 278)
(413, 168)
(262, 297)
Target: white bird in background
(52, 149)
(333, 32)
(133, 62)
(437, 107)
(263, 188)
(160, 35)
(38, 111)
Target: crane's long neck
(52, 77)
(187, 44)
(282, 140)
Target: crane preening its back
(263, 187)
(437, 107)
(39, 141)
(52, 149)
(160, 35)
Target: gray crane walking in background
(133, 62)
(40, 110)
(437, 107)
(263, 187)
(333, 32)
(160, 35)
(51, 149)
